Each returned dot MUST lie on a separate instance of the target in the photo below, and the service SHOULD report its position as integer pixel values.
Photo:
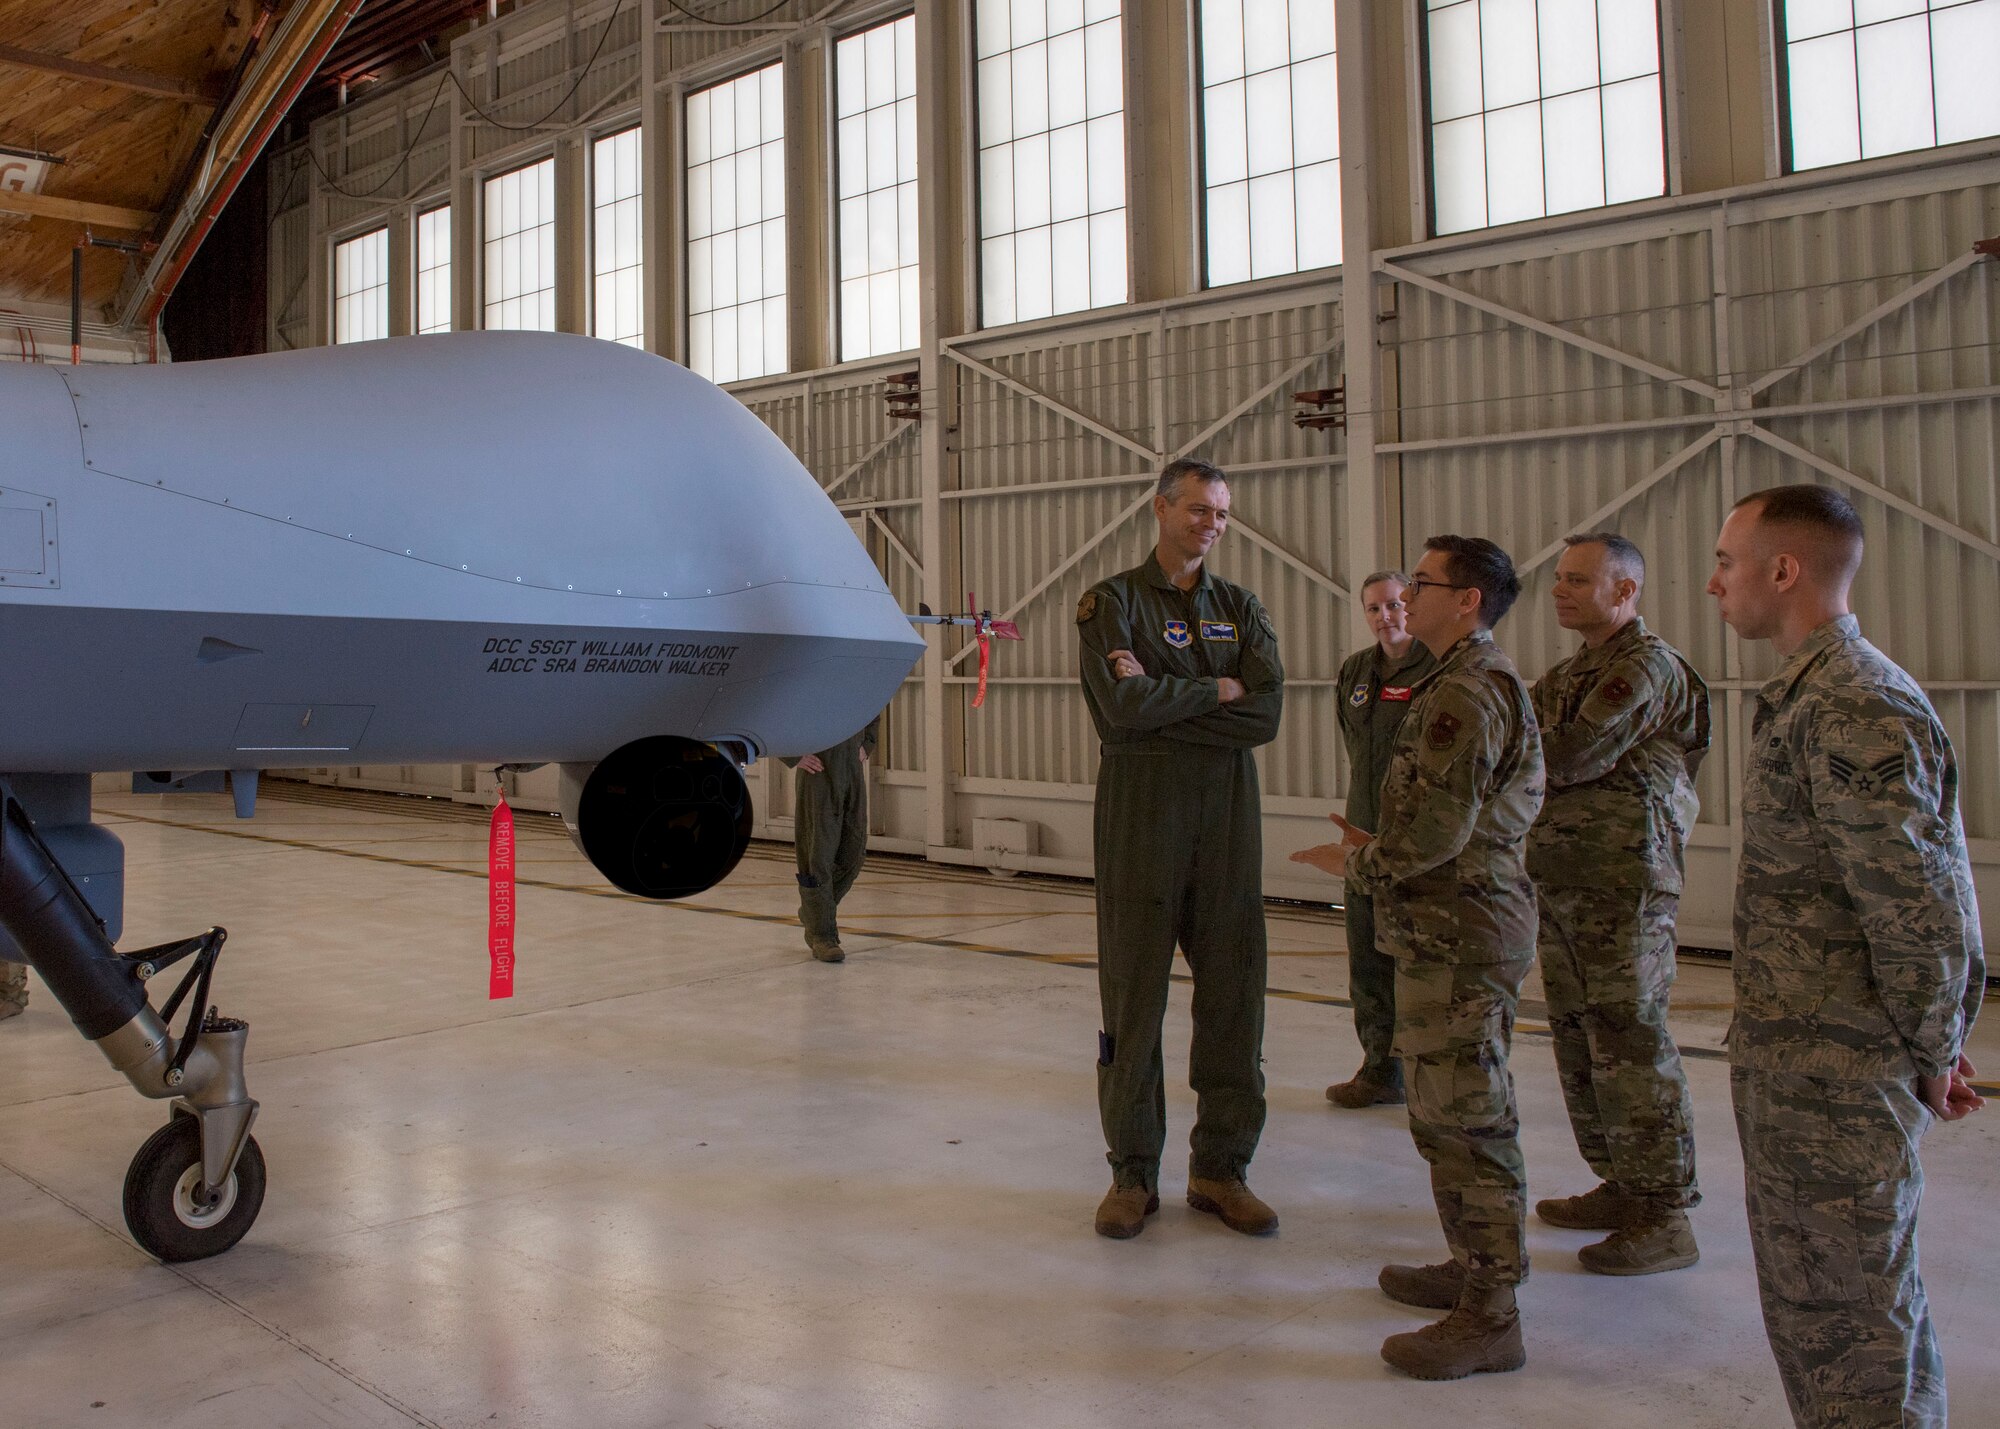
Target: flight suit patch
(1443, 733)
(1217, 630)
(1360, 695)
(1086, 607)
(1617, 690)
(1396, 694)
(1177, 635)
(1869, 781)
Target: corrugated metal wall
(1053, 432)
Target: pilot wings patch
(1866, 781)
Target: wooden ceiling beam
(187, 91)
(71, 210)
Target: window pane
(1965, 39)
(1281, 116)
(1566, 95)
(434, 270)
(736, 247)
(520, 249)
(1893, 66)
(1051, 158)
(617, 255)
(1825, 106)
(1807, 18)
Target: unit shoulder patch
(1443, 733)
(1616, 690)
(1086, 607)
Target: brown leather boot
(1660, 1240)
(1599, 1209)
(1428, 1287)
(1482, 1335)
(1123, 1211)
(1363, 1091)
(827, 950)
(1232, 1200)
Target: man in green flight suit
(1624, 726)
(831, 834)
(1448, 872)
(1182, 678)
(1374, 686)
(1858, 967)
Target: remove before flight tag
(500, 901)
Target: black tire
(159, 1209)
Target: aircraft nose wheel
(164, 1206)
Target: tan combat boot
(1659, 1240)
(1428, 1287)
(1123, 1211)
(1234, 1202)
(827, 950)
(1482, 1335)
(1598, 1209)
(1359, 1091)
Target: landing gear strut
(198, 1183)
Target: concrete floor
(689, 1177)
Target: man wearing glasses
(1447, 869)
(1375, 688)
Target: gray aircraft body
(498, 548)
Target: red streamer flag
(500, 902)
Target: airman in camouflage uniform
(831, 813)
(1376, 684)
(1182, 678)
(1858, 969)
(1624, 726)
(13, 989)
(1455, 907)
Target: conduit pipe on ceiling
(89, 240)
(303, 39)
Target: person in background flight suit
(1374, 687)
(1181, 675)
(1858, 968)
(831, 810)
(1624, 726)
(1448, 873)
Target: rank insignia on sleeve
(1443, 733)
(1617, 690)
(1360, 695)
(1086, 607)
(1870, 780)
(1177, 634)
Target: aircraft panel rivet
(144, 971)
(174, 1076)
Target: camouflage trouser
(1454, 1025)
(1371, 986)
(13, 987)
(831, 841)
(1607, 971)
(1179, 860)
(1832, 1180)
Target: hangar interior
(984, 266)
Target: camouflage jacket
(1624, 727)
(1375, 695)
(1858, 950)
(1447, 867)
(1185, 640)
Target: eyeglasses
(1420, 584)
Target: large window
(875, 99)
(1542, 106)
(1868, 77)
(361, 287)
(1051, 157)
(736, 227)
(434, 269)
(521, 248)
(1270, 137)
(616, 256)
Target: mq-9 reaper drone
(475, 548)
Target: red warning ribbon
(500, 902)
(985, 658)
